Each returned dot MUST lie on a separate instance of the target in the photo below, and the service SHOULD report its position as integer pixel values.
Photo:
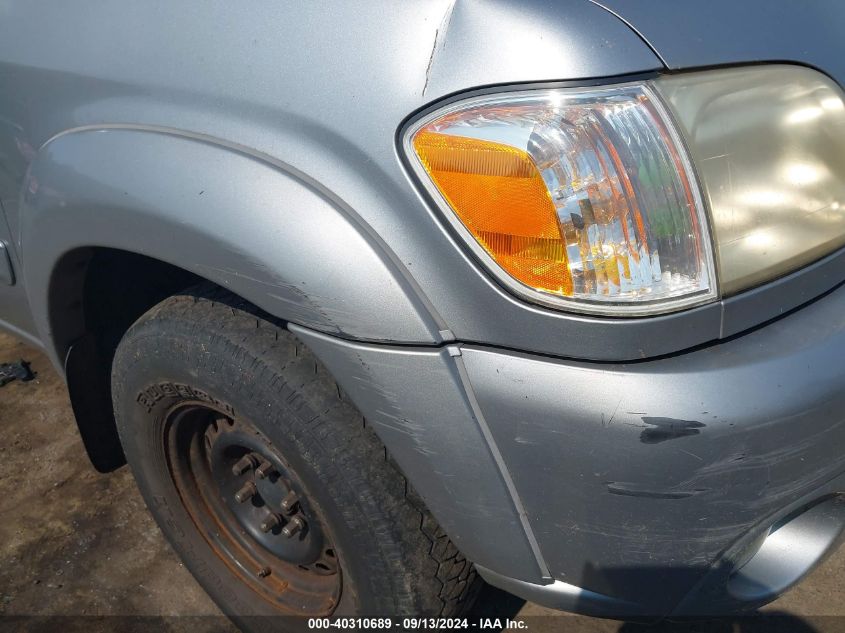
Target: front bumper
(623, 489)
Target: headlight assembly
(586, 199)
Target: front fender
(233, 218)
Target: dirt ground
(77, 543)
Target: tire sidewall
(153, 373)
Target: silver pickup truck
(381, 300)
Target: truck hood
(689, 34)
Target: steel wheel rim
(252, 510)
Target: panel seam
(634, 29)
(499, 460)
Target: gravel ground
(77, 543)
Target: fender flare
(241, 220)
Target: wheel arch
(96, 295)
(238, 220)
(120, 216)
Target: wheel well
(96, 294)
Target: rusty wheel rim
(251, 508)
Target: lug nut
(289, 502)
(246, 492)
(269, 522)
(264, 572)
(264, 470)
(244, 464)
(295, 525)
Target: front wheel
(268, 483)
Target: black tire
(216, 351)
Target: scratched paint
(664, 429)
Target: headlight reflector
(574, 198)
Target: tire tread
(435, 577)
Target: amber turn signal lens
(499, 195)
(575, 198)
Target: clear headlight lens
(575, 198)
(769, 144)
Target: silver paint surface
(415, 401)
(639, 480)
(636, 477)
(319, 91)
(263, 231)
(725, 32)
